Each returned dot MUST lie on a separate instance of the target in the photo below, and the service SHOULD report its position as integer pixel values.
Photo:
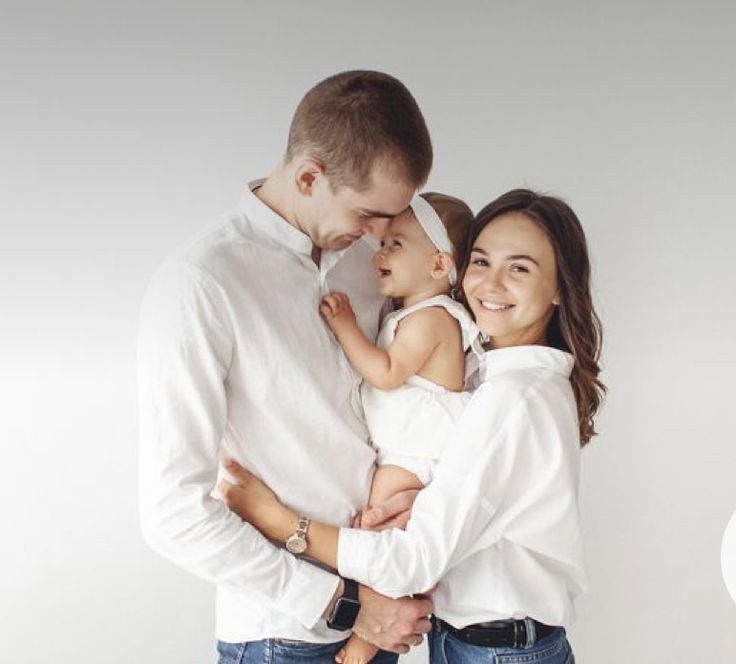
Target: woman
(497, 529)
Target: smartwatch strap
(350, 589)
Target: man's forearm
(203, 537)
(394, 625)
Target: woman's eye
(481, 262)
(519, 268)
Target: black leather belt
(497, 634)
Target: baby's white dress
(410, 426)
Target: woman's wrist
(281, 524)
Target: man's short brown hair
(352, 121)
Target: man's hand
(394, 513)
(337, 311)
(392, 624)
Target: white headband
(434, 228)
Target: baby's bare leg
(388, 480)
(356, 651)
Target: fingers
(395, 512)
(225, 489)
(326, 309)
(416, 638)
(373, 516)
(237, 471)
(331, 304)
(392, 624)
(423, 626)
(423, 608)
(326, 306)
(334, 304)
(398, 521)
(231, 494)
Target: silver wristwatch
(297, 542)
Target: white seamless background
(126, 126)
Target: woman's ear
(556, 299)
(442, 265)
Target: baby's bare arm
(415, 341)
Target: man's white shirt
(235, 361)
(497, 529)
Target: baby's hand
(337, 311)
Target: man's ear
(307, 175)
(442, 265)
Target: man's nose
(376, 228)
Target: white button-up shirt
(235, 361)
(497, 529)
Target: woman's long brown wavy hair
(574, 326)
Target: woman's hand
(255, 503)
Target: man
(234, 361)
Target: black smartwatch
(346, 607)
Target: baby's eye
(383, 244)
(396, 243)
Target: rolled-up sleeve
(185, 348)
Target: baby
(414, 375)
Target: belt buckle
(519, 634)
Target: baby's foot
(356, 651)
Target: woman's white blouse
(497, 530)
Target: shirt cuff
(354, 554)
(310, 591)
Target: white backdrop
(125, 126)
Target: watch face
(351, 611)
(296, 544)
(344, 614)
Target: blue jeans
(286, 651)
(444, 648)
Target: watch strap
(350, 589)
(346, 608)
(296, 543)
(302, 526)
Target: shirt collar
(499, 360)
(267, 223)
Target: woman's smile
(492, 305)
